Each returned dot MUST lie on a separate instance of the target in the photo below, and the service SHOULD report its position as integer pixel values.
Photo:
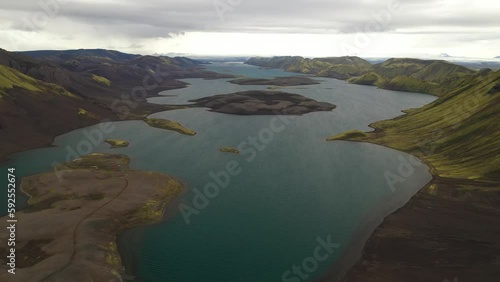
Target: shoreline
(92, 215)
(474, 212)
(4, 159)
(363, 233)
(168, 213)
(368, 225)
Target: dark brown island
(262, 103)
(277, 81)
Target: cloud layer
(155, 26)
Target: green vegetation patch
(169, 125)
(152, 210)
(86, 114)
(370, 78)
(352, 135)
(101, 80)
(117, 143)
(410, 84)
(10, 78)
(112, 256)
(100, 161)
(229, 150)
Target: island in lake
(117, 143)
(277, 81)
(262, 103)
(69, 231)
(229, 150)
(169, 125)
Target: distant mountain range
(335, 67)
(426, 76)
(69, 54)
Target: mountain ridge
(96, 88)
(335, 67)
(402, 74)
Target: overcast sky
(316, 28)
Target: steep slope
(335, 67)
(446, 230)
(426, 76)
(51, 72)
(32, 112)
(66, 90)
(84, 71)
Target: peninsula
(68, 233)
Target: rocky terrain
(262, 103)
(69, 231)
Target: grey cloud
(171, 18)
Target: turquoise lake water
(291, 190)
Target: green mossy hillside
(101, 80)
(336, 67)
(11, 78)
(434, 77)
(347, 135)
(458, 134)
(414, 75)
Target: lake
(293, 192)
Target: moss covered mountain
(335, 67)
(462, 127)
(414, 75)
(425, 76)
(450, 221)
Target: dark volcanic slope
(450, 228)
(52, 92)
(69, 54)
(32, 112)
(263, 103)
(278, 81)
